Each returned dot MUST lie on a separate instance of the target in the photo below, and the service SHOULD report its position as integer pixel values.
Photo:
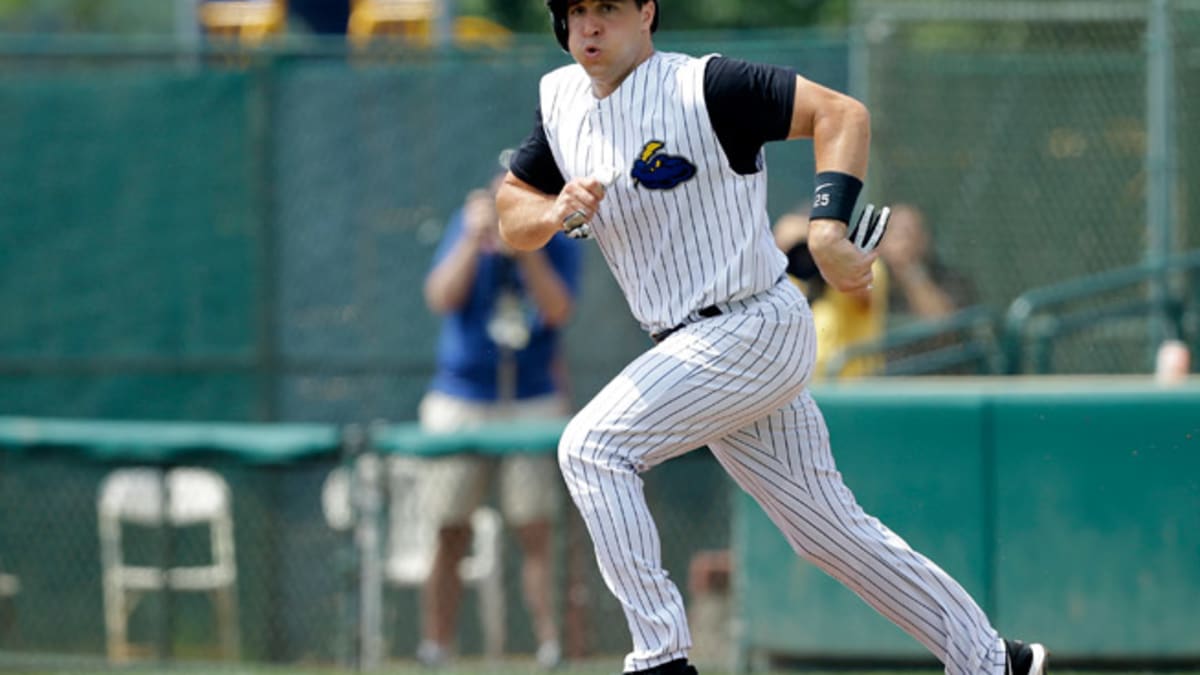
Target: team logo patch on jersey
(657, 170)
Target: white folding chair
(10, 586)
(412, 539)
(196, 497)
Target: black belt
(705, 312)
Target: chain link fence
(1032, 135)
(299, 552)
(78, 537)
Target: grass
(489, 669)
(503, 670)
(57, 665)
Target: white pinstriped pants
(736, 383)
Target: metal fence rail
(1044, 140)
(1040, 318)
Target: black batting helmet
(558, 17)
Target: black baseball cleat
(1024, 659)
(676, 667)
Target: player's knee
(577, 448)
(569, 445)
(587, 456)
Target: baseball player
(683, 225)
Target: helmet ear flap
(560, 30)
(558, 20)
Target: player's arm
(840, 128)
(750, 104)
(526, 221)
(534, 199)
(529, 217)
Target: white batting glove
(577, 226)
(869, 228)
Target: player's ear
(649, 9)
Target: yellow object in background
(247, 21)
(414, 20)
(842, 320)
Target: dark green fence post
(1162, 160)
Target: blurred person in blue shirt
(497, 359)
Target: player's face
(609, 38)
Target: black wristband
(834, 196)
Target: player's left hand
(843, 264)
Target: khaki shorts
(529, 485)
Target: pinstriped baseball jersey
(679, 228)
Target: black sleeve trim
(748, 105)
(533, 162)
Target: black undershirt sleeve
(748, 105)
(533, 162)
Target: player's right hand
(845, 266)
(583, 196)
(578, 202)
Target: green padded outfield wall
(1112, 507)
(1069, 508)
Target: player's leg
(784, 462)
(704, 382)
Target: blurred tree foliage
(522, 16)
(528, 16)
(146, 17)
